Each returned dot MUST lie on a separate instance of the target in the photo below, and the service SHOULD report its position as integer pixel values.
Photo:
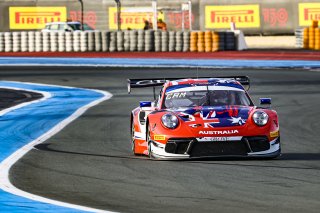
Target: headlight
(260, 118)
(170, 121)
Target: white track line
(5, 165)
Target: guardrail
(112, 41)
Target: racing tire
(149, 144)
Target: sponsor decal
(175, 95)
(308, 12)
(221, 132)
(274, 134)
(132, 18)
(31, 18)
(159, 137)
(245, 16)
(89, 17)
(275, 17)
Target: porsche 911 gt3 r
(203, 117)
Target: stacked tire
(179, 41)
(46, 41)
(83, 41)
(157, 41)
(105, 37)
(1, 42)
(38, 42)
(215, 42)
(16, 38)
(201, 42)
(120, 41)
(194, 41)
(31, 41)
(53, 41)
(61, 42)
(133, 40)
(208, 41)
(91, 41)
(164, 41)
(186, 41)
(113, 42)
(230, 41)
(221, 41)
(141, 40)
(149, 41)
(98, 41)
(68, 41)
(76, 41)
(126, 37)
(172, 41)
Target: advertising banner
(308, 12)
(245, 16)
(132, 18)
(31, 18)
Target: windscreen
(207, 97)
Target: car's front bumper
(209, 149)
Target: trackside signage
(31, 18)
(308, 12)
(132, 18)
(245, 16)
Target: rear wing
(154, 82)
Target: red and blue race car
(203, 117)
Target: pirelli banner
(263, 17)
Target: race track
(90, 162)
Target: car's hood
(219, 116)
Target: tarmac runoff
(58, 107)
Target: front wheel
(149, 143)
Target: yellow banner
(32, 18)
(308, 12)
(132, 18)
(244, 16)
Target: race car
(203, 117)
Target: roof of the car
(205, 81)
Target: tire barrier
(132, 40)
(308, 38)
(2, 42)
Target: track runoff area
(53, 160)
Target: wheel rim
(133, 144)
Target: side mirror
(265, 101)
(145, 104)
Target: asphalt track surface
(9, 97)
(90, 162)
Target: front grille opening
(259, 143)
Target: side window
(54, 27)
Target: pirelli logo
(159, 137)
(245, 16)
(308, 12)
(35, 17)
(133, 19)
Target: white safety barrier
(111, 41)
